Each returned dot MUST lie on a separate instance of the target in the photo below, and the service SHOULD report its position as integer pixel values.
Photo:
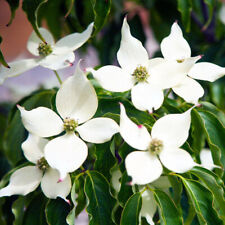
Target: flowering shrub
(114, 139)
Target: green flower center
(141, 74)
(42, 164)
(70, 124)
(155, 146)
(180, 60)
(44, 49)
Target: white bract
(176, 48)
(76, 103)
(167, 135)
(145, 78)
(207, 160)
(50, 54)
(27, 179)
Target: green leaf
(104, 159)
(56, 211)
(14, 4)
(125, 189)
(2, 59)
(177, 189)
(215, 133)
(185, 7)
(101, 202)
(130, 214)
(202, 200)
(31, 7)
(168, 210)
(197, 133)
(34, 213)
(15, 131)
(215, 185)
(101, 10)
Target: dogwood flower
(207, 160)
(167, 135)
(175, 47)
(27, 179)
(76, 103)
(50, 54)
(145, 78)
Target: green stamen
(180, 60)
(70, 124)
(141, 74)
(42, 164)
(44, 49)
(155, 146)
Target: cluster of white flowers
(77, 102)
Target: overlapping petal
(175, 46)
(177, 160)
(170, 73)
(57, 61)
(76, 98)
(113, 78)
(148, 208)
(206, 71)
(136, 136)
(52, 188)
(73, 41)
(33, 147)
(207, 160)
(143, 167)
(146, 97)
(98, 130)
(34, 40)
(131, 52)
(16, 68)
(172, 129)
(66, 153)
(190, 90)
(22, 181)
(41, 121)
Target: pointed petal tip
(60, 180)
(140, 126)
(67, 201)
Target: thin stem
(58, 77)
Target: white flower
(207, 160)
(146, 78)
(176, 48)
(167, 135)
(50, 55)
(27, 179)
(76, 103)
(149, 205)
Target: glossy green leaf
(125, 190)
(56, 211)
(31, 7)
(14, 4)
(130, 214)
(197, 133)
(185, 7)
(202, 200)
(101, 202)
(215, 133)
(168, 210)
(101, 10)
(15, 132)
(2, 59)
(177, 189)
(215, 185)
(35, 211)
(104, 159)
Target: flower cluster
(56, 141)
